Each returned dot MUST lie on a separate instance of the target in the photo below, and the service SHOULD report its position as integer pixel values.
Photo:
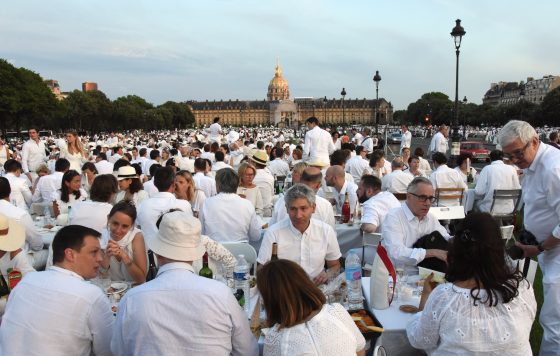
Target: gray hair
(299, 191)
(413, 186)
(516, 129)
(397, 163)
(227, 181)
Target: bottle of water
(353, 270)
(241, 279)
(46, 216)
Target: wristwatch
(540, 247)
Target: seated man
(445, 177)
(48, 185)
(335, 177)
(226, 216)
(21, 194)
(358, 164)
(306, 241)
(278, 167)
(397, 181)
(376, 203)
(404, 225)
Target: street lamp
(464, 117)
(458, 32)
(325, 109)
(343, 93)
(376, 79)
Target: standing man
(57, 312)
(439, 141)
(541, 195)
(179, 312)
(33, 154)
(215, 131)
(406, 138)
(367, 142)
(318, 144)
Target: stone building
(509, 93)
(282, 111)
(536, 89)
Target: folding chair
(528, 271)
(243, 248)
(501, 195)
(449, 194)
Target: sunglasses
(423, 198)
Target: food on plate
(364, 322)
(408, 309)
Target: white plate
(118, 287)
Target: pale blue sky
(227, 49)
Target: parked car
(476, 149)
(394, 138)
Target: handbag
(433, 240)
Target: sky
(227, 49)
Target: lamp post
(376, 79)
(343, 93)
(457, 33)
(325, 109)
(464, 117)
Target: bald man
(335, 177)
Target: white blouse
(254, 196)
(451, 325)
(331, 332)
(63, 206)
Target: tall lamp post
(343, 93)
(325, 109)
(457, 33)
(376, 79)
(464, 118)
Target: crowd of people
(135, 200)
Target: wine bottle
(345, 213)
(205, 271)
(274, 256)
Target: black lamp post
(464, 117)
(325, 109)
(458, 32)
(376, 79)
(343, 93)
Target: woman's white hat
(12, 234)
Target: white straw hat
(126, 172)
(12, 234)
(178, 237)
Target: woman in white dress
(130, 187)
(247, 189)
(4, 153)
(125, 252)
(73, 151)
(186, 189)
(299, 320)
(69, 193)
(465, 169)
(485, 308)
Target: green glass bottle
(205, 271)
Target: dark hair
(260, 145)
(371, 182)
(411, 158)
(142, 151)
(103, 188)
(64, 192)
(227, 181)
(214, 147)
(553, 136)
(200, 164)
(312, 120)
(478, 252)
(12, 165)
(216, 119)
(164, 178)
(289, 296)
(496, 155)
(90, 166)
(61, 165)
(71, 236)
(135, 185)
(419, 152)
(154, 154)
(339, 157)
(124, 207)
(375, 157)
(359, 149)
(170, 162)
(308, 176)
(463, 157)
(439, 158)
(5, 189)
(120, 163)
(153, 168)
(102, 155)
(137, 168)
(219, 156)
(278, 152)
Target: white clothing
(348, 187)
(331, 332)
(215, 131)
(279, 168)
(323, 211)
(232, 136)
(265, 181)
(496, 175)
(33, 240)
(199, 198)
(209, 156)
(228, 217)
(151, 209)
(114, 158)
(46, 187)
(425, 167)
(310, 249)
(445, 177)
(357, 139)
(220, 165)
(356, 166)
(376, 207)
(406, 140)
(20, 194)
(137, 197)
(254, 196)
(180, 313)
(204, 183)
(56, 312)
(20, 262)
(33, 154)
(104, 167)
(401, 229)
(317, 146)
(367, 143)
(438, 143)
(76, 159)
(72, 200)
(451, 325)
(396, 182)
(150, 188)
(118, 270)
(92, 214)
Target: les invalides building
(280, 110)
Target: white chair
(507, 232)
(243, 248)
(448, 212)
(531, 272)
(371, 240)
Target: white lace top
(330, 332)
(451, 325)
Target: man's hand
(321, 278)
(439, 254)
(528, 250)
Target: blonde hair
(77, 147)
(191, 190)
(42, 168)
(242, 168)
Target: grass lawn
(536, 330)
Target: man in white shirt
(308, 242)
(356, 136)
(406, 137)
(21, 194)
(48, 185)
(439, 141)
(376, 203)
(397, 181)
(220, 164)
(496, 175)
(179, 312)
(318, 144)
(279, 167)
(74, 315)
(404, 225)
(264, 180)
(117, 154)
(33, 154)
(143, 159)
(151, 209)
(203, 182)
(445, 177)
(232, 136)
(358, 164)
(367, 142)
(226, 216)
(335, 177)
(541, 195)
(103, 166)
(312, 177)
(215, 131)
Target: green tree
(549, 111)
(91, 111)
(182, 114)
(129, 112)
(434, 105)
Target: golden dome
(278, 87)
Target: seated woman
(300, 321)
(130, 187)
(125, 252)
(186, 189)
(69, 193)
(247, 189)
(93, 213)
(465, 169)
(89, 171)
(486, 307)
(377, 165)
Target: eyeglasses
(423, 198)
(517, 154)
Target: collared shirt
(310, 249)
(56, 312)
(20, 194)
(151, 209)
(323, 211)
(33, 154)
(265, 181)
(445, 177)
(376, 207)
(215, 131)
(406, 139)
(367, 143)
(150, 188)
(279, 168)
(204, 183)
(496, 175)
(356, 166)
(220, 165)
(401, 229)
(350, 188)
(228, 217)
(47, 186)
(438, 143)
(104, 167)
(396, 182)
(425, 166)
(318, 145)
(33, 240)
(180, 313)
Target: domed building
(278, 88)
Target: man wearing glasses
(541, 194)
(404, 225)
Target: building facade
(536, 89)
(509, 93)
(282, 111)
(89, 86)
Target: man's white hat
(12, 234)
(178, 237)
